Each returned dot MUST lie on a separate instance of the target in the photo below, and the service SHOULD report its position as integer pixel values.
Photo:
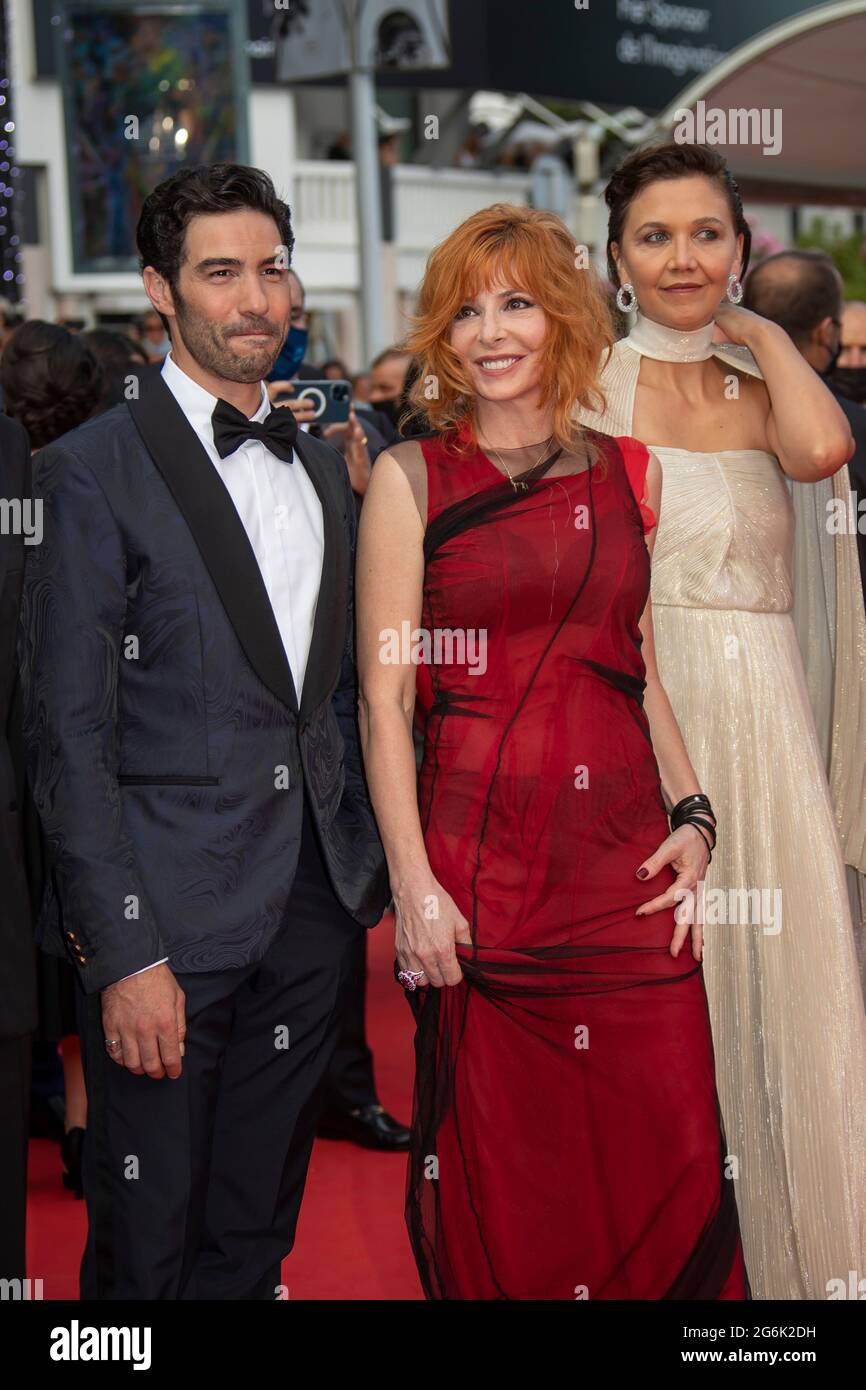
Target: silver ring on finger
(114, 1045)
(410, 979)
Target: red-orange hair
(534, 251)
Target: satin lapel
(329, 628)
(217, 530)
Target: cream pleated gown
(787, 1013)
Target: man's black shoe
(370, 1126)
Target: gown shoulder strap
(635, 457)
(617, 380)
(451, 476)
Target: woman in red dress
(567, 1141)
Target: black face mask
(849, 382)
(392, 408)
(834, 358)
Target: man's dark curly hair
(196, 190)
(51, 380)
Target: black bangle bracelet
(697, 800)
(697, 805)
(696, 821)
(703, 837)
(699, 820)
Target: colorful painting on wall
(145, 91)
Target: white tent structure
(812, 69)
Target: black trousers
(193, 1186)
(349, 1083)
(15, 1064)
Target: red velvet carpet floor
(351, 1241)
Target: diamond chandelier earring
(626, 290)
(734, 290)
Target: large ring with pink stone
(410, 979)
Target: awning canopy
(813, 70)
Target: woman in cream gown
(787, 1013)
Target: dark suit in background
(17, 952)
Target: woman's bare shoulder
(407, 457)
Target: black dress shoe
(370, 1126)
(70, 1151)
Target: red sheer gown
(566, 1137)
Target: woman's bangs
(492, 267)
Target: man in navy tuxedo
(187, 662)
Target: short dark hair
(387, 354)
(112, 348)
(796, 302)
(51, 380)
(669, 161)
(192, 192)
(119, 358)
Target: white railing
(428, 203)
(323, 202)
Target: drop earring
(734, 290)
(626, 289)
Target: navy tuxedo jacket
(166, 746)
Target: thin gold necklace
(520, 484)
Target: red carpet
(351, 1241)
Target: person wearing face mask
(367, 431)
(802, 292)
(153, 337)
(731, 422)
(290, 361)
(848, 377)
(388, 375)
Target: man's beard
(210, 344)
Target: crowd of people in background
(481, 148)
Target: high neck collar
(669, 344)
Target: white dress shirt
(281, 513)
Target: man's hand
(278, 394)
(354, 446)
(146, 1013)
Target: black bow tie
(231, 428)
